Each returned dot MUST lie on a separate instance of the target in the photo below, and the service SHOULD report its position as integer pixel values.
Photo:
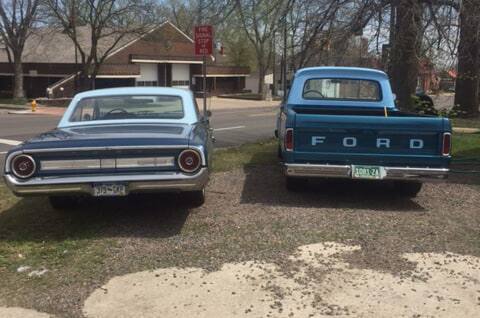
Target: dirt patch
(15, 312)
(248, 217)
(444, 285)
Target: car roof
(135, 91)
(191, 115)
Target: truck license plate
(109, 190)
(368, 172)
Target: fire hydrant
(34, 105)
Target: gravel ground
(248, 217)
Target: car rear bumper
(345, 171)
(155, 182)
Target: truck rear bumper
(345, 171)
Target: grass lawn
(466, 123)
(13, 101)
(466, 146)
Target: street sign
(203, 40)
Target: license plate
(109, 190)
(368, 172)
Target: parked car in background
(341, 122)
(113, 142)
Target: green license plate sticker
(368, 172)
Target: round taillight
(189, 160)
(23, 166)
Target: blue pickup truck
(342, 122)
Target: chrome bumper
(155, 182)
(345, 171)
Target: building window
(181, 83)
(147, 83)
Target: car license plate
(368, 172)
(109, 190)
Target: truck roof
(341, 71)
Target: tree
(260, 20)
(16, 20)
(404, 59)
(468, 83)
(109, 23)
(185, 14)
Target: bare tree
(467, 86)
(109, 24)
(260, 20)
(185, 14)
(16, 20)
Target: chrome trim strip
(345, 171)
(173, 181)
(74, 164)
(145, 162)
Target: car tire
(295, 184)
(196, 198)
(408, 189)
(279, 152)
(63, 202)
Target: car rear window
(342, 89)
(128, 107)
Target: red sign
(203, 40)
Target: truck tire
(196, 198)
(63, 202)
(295, 184)
(408, 189)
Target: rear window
(128, 107)
(342, 89)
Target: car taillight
(23, 166)
(288, 139)
(189, 160)
(447, 144)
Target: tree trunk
(18, 92)
(261, 80)
(468, 83)
(404, 62)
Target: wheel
(279, 152)
(196, 198)
(409, 189)
(295, 184)
(63, 202)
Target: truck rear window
(342, 89)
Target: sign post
(204, 47)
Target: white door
(181, 75)
(148, 75)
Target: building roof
(50, 45)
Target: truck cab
(342, 122)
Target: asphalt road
(232, 127)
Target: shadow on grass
(33, 219)
(265, 184)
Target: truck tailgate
(379, 140)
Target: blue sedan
(114, 142)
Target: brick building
(163, 57)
